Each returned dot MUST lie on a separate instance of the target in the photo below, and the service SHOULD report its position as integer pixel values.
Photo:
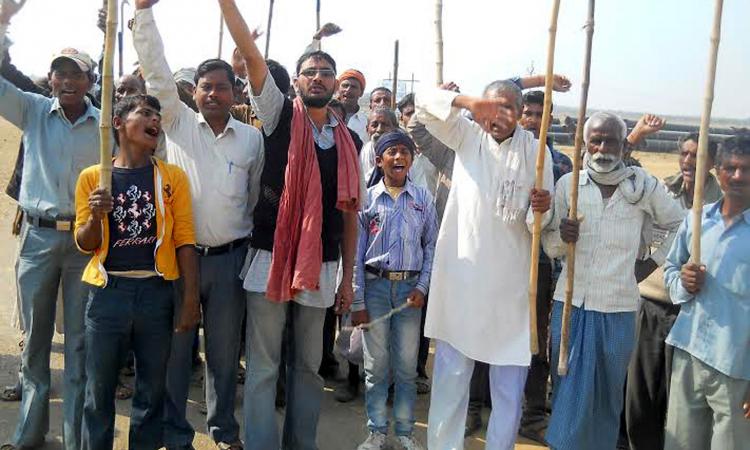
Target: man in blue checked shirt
(397, 234)
(710, 386)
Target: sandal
(123, 391)
(10, 394)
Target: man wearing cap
(61, 138)
(351, 87)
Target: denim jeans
(391, 347)
(135, 313)
(266, 321)
(48, 257)
(223, 307)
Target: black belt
(59, 225)
(221, 249)
(392, 275)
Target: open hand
(415, 298)
(541, 200)
(145, 4)
(100, 203)
(693, 276)
(344, 297)
(329, 29)
(9, 8)
(569, 230)
(560, 83)
(450, 86)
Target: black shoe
(346, 393)
(473, 423)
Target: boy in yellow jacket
(141, 238)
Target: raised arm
(267, 99)
(15, 105)
(560, 83)
(154, 67)
(257, 71)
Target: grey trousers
(48, 257)
(705, 408)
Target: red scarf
(297, 245)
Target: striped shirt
(396, 235)
(609, 242)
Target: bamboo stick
(562, 365)
(700, 168)
(268, 29)
(317, 15)
(395, 75)
(439, 41)
(108, 82)
(541, 153)
(221, 34)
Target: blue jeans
(223, 307)
(136, 313)
(266, 321)
(48, 257)
(391, 347)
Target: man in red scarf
(305, 219)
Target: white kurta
(479, 290)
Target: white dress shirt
(224, 170)
(609, 242)
(480, 277)
(358, 123)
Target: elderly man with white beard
(613, 201)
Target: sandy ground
(342, 426)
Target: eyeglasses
(323, 73)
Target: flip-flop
(10, 394)
(123, 391)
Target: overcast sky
(648, 55)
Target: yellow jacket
(174, 220)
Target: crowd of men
(262, 209)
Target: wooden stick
(268, 29)
(562, 365)
(541, 153)
(108, 83)
(700, 167)
(221, 34)
(395, 75)
(439, 40)
(317, 15)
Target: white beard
(602, 163)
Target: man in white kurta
(478, 308)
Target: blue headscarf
(386, 141)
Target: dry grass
(660, 165)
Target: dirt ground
(342, 426)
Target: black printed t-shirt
(132, 222)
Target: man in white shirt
(615, 201)
(351, 87)
(223, 159)
(479, 307)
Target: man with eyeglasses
(61, 138)
(306, 217)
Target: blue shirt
(56, 151)
(714, 325)
(396, 235)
